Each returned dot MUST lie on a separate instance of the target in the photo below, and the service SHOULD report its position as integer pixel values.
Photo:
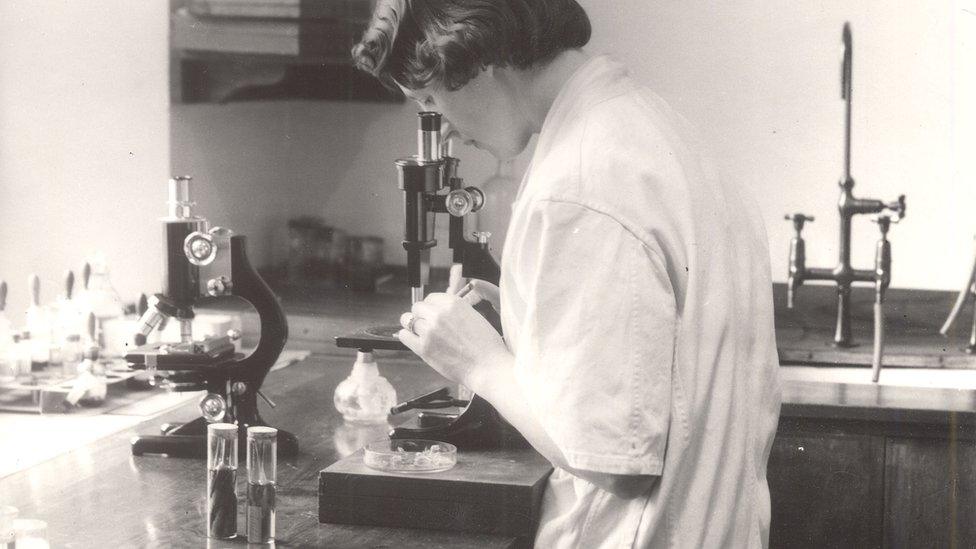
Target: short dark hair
(418, 42)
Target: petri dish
(410, 456)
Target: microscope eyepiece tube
(429, 137)
(179, 197)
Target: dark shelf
(222, 59)
(239, 78)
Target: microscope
(844, 275)
(431, 185)
(202, 265)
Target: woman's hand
(452, 338)
(478, 290)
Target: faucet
(844, 274)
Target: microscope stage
(372, 339)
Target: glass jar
(262, 481)
(221, 480)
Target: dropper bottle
(365, 396)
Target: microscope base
(477, 427)
(189, 440)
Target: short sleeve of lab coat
(596, 344)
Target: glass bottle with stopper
(91, 386)
(38, 324)
(365, 396)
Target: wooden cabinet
(826, 490)
(930, 493)
(847, 483)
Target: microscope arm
(249, 285)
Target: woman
(635, 296)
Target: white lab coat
(636, 298)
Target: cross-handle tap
(798, 256)
(897, 208)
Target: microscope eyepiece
(179, 202)
(430, 121)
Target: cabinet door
(930, 493)
(826, 490)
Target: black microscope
(431, 186)
(204, 265)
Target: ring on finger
(409, 324)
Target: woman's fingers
(411, 340)
(481, 290)
(456, 282)
(414, 323)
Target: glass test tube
(262, 466)
(221, 480)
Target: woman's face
(484, 111)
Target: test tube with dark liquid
(221, 480)
(262, 465)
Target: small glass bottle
(221, 480)
(22, 348)
(71, 355)
(365, 396)
(39, 326)
(262, 480)
(94, 371)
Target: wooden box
(490, 492)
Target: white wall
(84, 84)
(84, 133)
(760, 79)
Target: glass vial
(262, 478)
(221, 480)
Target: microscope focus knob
(213, 407)
(461, 202)
(219, 286)
(199, 248)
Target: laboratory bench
(99, 495)
(853, 464)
